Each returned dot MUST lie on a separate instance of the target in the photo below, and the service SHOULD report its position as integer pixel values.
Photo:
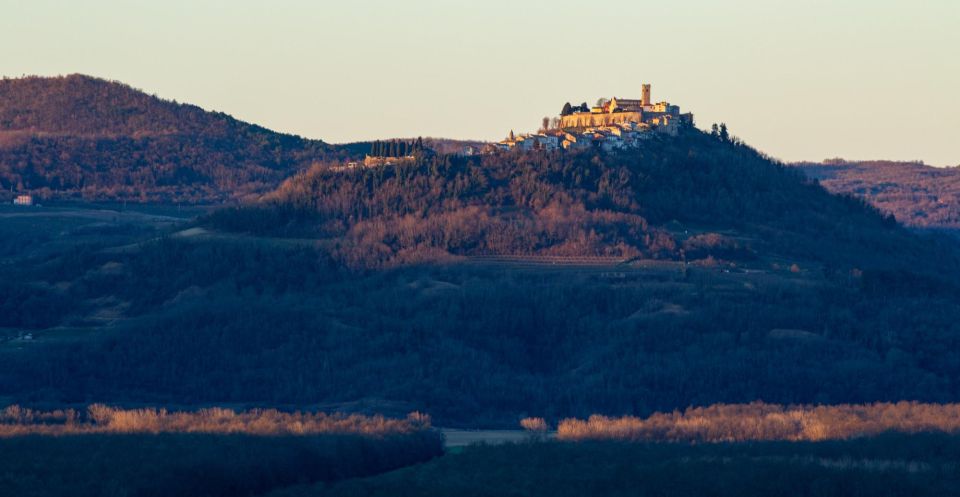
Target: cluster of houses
(612, 124)
(611, 137)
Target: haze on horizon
(809, 80)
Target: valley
(256, 313)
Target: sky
(798, 79)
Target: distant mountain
(916, 194)
(78, 136)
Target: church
(622, 111)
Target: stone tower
(645, 98)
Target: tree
(535, 427)
(724, 135)
(584, 107)
(545, 124)
(714, 131)
(511, 137)
(567, 109)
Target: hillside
(916, 194)
(682, 198)
(480, 290)
(79, 136)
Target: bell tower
(645, 98)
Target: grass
(918, 465)
(196, 465)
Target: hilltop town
(612, 124)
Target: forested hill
(687, 197)
(78, 136)
(918, 195)
(81, 105)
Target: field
(40, 231)
(454, 438)
(194, 465)
(889, 465)
(30, 236)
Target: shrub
(759, 421)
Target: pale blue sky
(798, 79)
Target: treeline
(106, 450)
(397, 148)
(768, 422)
(884, 466)
(198, 465)
(101, 419)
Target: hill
(690, 271)
(79, 136)
(683, 198)
(916, 194)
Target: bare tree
(536, 428)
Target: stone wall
(585, 120)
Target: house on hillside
(25, 200)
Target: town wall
(584, 120)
